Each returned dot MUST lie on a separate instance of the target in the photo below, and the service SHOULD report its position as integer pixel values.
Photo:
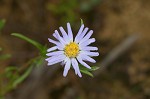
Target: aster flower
(71, 51)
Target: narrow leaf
(22, 77)
(11, 68)
(36, 44)
(87, 72)
(9, 72)
(93, 68)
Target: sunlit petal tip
(50, 40)
(89, 67)
(96, 48)
(68, 23)
(52, 49)
(82, 25)
(46, 59)
(96, 54)
(60, 27)
(80, 75)
(49, 64)
(94, 61)
(54, 34)
(47, 54)
(92, 40)
(56, 31)
(64, 75)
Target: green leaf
(2, 23)
(87, 72)
(9, 72)
(36, 44)
(11, 68)
(5, 56)
(81, 21)
(93, 68)
(22, 77)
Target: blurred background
(121, 29)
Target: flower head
(70, 51)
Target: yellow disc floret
(71, 50)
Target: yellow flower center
(71, 50)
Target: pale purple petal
(53, 58)
(90, 53)
(56, 59)
(64, 62)
(60, 38)
(52, 41)
(52, 49)
(87, 42)
(79, 32)
(76, 67)
(70, 32)
(67, 67)
(92, 40)
(82, 62)
(55, 53)
(87, 58)
(59, 45)
(89, 34)
(82, 35)
(83, 44)
(55, 36)
(54, 62)
(89, 48)
(65, 36)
